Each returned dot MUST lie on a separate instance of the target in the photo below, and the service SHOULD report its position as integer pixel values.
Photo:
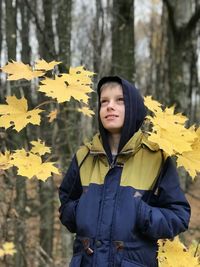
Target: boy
(121, 192)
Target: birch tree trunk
(183, 17)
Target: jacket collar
(138, 140)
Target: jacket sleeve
(70, 191)
(169, 215)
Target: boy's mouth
(111, 116)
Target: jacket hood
(135, 112)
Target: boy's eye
(121, 99)
(103, 101)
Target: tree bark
(48, 32)
(25, 16)
(1, 27)
(98, 36)
(11, 39)
(123, 39)
(182, 59)
(64, 25)
(182, 47)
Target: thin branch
(193, 21)
(45, 255)
(183, 31)
(45, 103)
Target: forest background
(153, 43)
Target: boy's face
(112, 108)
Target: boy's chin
(114, 131)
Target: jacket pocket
(76, 261)
(128, 263)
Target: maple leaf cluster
(61, 87)
(76, 84)
(170, 133)
(15, 114)
(29, 163)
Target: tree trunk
(11, 39)
(1, 43)
(23, 204)
(98, 36)
(123, 39)
(1, 27)
(64, 25)
(25, 16)
(46, 216)
(182, 57)
(161, 81)
(42, 13)
(20, 236)
(48, 32)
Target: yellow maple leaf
(18, 70)
(178, 118)
(86, 111)
(76, 84)
(44, 65)
(16, 114)
(152, 105)
(78, 75)
(190, 160)
(56, 88)
(53, 115)
(8, 248)
(171, 139)
(76, 79)
(79, 91)
(79, 81)
(27, 163)
(170, 133)
(40, 148)
(80, 71)
(168, 129)
(5, 160)
(30, 165)
(45, 170)
(59, 89)
(167, 118)
(174, 253)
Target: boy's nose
(111, 105)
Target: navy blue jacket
(119, 211)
